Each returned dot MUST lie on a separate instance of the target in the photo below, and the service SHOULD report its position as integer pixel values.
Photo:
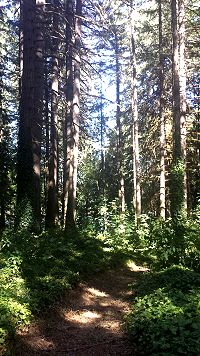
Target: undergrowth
(166, 313)
(165, 317)
(36, 270)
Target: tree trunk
(24, 155)
(162, 118)
(178, 178)
(3, 171)
(182, 88)
(38, 105)
(102, 132)
(31, 107)
(175, 83)
(121, 191)
(68, 134)
(135, 131)
(52, 198)
(74, 134)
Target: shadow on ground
(88, 321)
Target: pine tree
(179, 194)
(31, 109)
(162, 118)
(136, 163)
(52, 198)
(73, 122)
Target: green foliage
(177, 190)
(24, 215)
(14, 297)
(37, 269)
(176, 241)
(166, 314)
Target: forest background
(99, 144)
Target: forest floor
(88, 321)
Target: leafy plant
(165, 319)
(37, 269)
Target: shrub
(175, 241)
(165, 319)
(14, 298)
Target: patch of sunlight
(91, 315)
(97, 292)
(104, 304)
(84, 317)
(133, 267)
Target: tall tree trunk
(121, 190)
(175, 83)
(102, 131)
(74, 134)
(24, 155)
(162, 117)
(52, 198)
(21, 50)
(68, 134)
(178, 179)
(31, 110)
(3, 171)
(47, 128)
(182, 88)
(38, 104)
(135, 131)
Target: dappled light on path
(88, 321)
(133, 267)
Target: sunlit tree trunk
(73, 159)
(52, 198)
(102, 133)
(178, 180)
(182, 84)
(175, 83)
(3, 173)
(68, 135)
(21, 41)
(121, 190)
(162, 117)
(47, 128)
(135, 130)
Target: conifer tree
(31, 110)
(179, 194)
(136, 163)
(52, 198)
(161, 115)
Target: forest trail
(89, 320)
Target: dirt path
(88, 322)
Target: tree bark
(162, 117)
(68, 125)
(3, 170)
(52, 198)
(175, 82)
(121, 191)
(135, 129)
(178, 179)
(182, 88)
(31, 111)
(74, 134)
(38, 105)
